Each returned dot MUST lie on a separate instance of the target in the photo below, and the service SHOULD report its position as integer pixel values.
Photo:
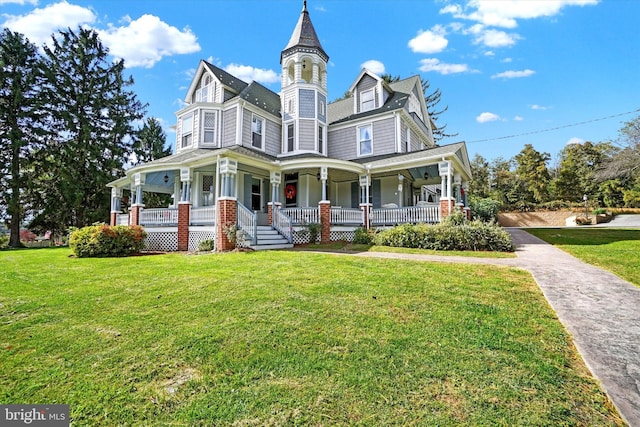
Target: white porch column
(323, 176)
(228, 170)
(400, 189)
(138, 182)
(185, 179)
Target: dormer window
(367, 100)
(207, 89)
(257, 133)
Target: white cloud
(39, 24)
(518, 118)
(154, 39)
(249, 73)
(507, 60)
(433, 64)
(512, 74)
(539, 107)
(575, 140)
(506, 13)
(430, 41)
(487, 117)
(374, 66)
(496, 38)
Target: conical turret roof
(304, 37)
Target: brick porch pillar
(325, 221)
(270, 207)
(227, 215)
(112, 218)
(134, 215)
(366, 210)
(184, 214)
(447, 207)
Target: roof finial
(304, 6)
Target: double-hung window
(187, 130)
(367, 100)
(365, 140)
(257, 131)
(290, 138)
(320, 139)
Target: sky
(539, 72)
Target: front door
(256, 195)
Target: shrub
(454, 233)
(235, 234)
(314, 230)
(599, 211)
(4, 242)
(101, 240)
(206, 245)
(362, 236)
(485, 209)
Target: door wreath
(290, 191)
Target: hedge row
(106, 241)
(450, 235)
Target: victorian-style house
(272, 163)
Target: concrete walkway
(600, 310)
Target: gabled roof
(225, 78)
(261, 97)
(304, 37)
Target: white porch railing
(248, 223)
(413, 214)
(159, 217)
(122, 219)
(282, 222)
(347, 216)
(205, 215)
(302, 215)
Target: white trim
(358, 140)
(263, 131)
(373, 99)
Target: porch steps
(269, 238)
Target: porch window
(208, 127)
(257, 134)
(207, 190)
(365, 140)
(367, 100)
(290, 137)
(187, 130)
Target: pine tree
(150, 143)
(21, 124)
(532, 170)
(93, 115)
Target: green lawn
(286, 338)
(613, 249)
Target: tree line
(68, 122)
(607, 173)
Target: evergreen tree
(150, 143)
(93, 113)
(21, 124)
(480, 185)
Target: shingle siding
(342, 143)
(273, 140)
(307, 103)
(384, 140)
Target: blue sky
(504, 67)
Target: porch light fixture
(318, 176)
(426, 175)
(166, 178)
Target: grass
(615, 250)
(286, 338)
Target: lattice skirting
(340, 235)
(161, 240)
(198, 234)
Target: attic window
(367, 100)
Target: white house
(271, 162)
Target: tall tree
(532, 171)
(480, 185)
(151, 141)
(93, 111)
(576, 173)
(21, 124)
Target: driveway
(622, 221)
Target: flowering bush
(102, 240)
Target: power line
(555, 128)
